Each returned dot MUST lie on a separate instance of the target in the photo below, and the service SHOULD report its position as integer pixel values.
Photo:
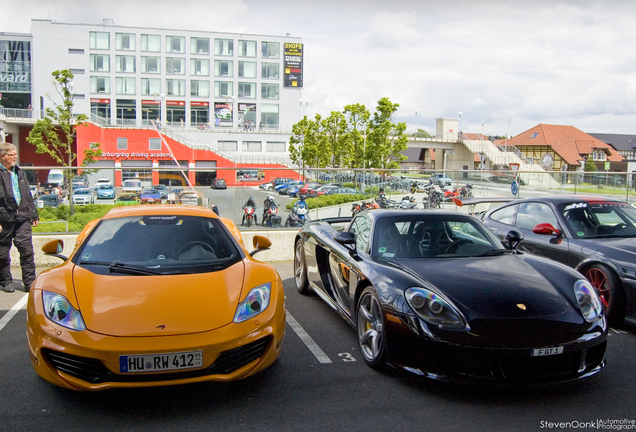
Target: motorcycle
(299, 215)
(408, 203)
(250, 216)
(364, 205)
(270, 215)
(449, 194)
(466, 191)
(435, 197)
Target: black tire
(287, 224)
(371, 329)
(249, 222)
(300, 269)
(610, 291)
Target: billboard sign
(293, 65)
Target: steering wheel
(452, 248)
(191, 244)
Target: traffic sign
(514, 188)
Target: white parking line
(309, 342)
(14, 310)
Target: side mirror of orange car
(260, 243)
(54, 248)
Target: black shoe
(27, 288)
(8, 289)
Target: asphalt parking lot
(320, 383)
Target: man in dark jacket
(17, 214)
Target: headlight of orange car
(58, 309)
(256, 302)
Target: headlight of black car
(435, 310)
(588, 301)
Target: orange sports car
(153, 296)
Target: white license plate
(151, 200)
(537, 352)
(160, 362)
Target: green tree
(55, 133)
(306, 142)
(421, 133)
(335, 138)
(386, 140)
(357, 128)
(589, 164)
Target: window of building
(224, 68)
(599, 156)
(154, 143)
(252, 146)
(270, 70)
(247, 90)
(275, 146)
(126, 111)
(200, 88)
(78, 71)
(246, 48)
(124, 41)
(270, 49)
(228, 145)
(76, 51)
(199, 45)
(175, 44)
(99, 40)
(175, 87)
(100, 63)
(150, 43)
(534, 135)
(223, 89)
(125, 86)
(175, 66)
(150, 86)
(100, 85)
(150, 64)
(122, 143)
(125, 64)
(247, 69)
(200, 67)
(269, 115)
(269, 91)
(224, 47)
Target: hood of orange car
(123, 305)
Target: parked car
(83, 196)
(155, 296)
(131, 186)
(127, 198)
(105, 191)
(218, 183)
(307, 186)
(190, 197)
(102, 181)
(150, 196)
(284, 189)
(436, 294)
(279, 181)
(343, 191)
(48, 200)
(595, 235)
(441, 180)
(322, 190)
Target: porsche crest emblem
(521, 306)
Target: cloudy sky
(514, 62)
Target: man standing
(17, 215)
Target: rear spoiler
(484, 200)
(332, 220)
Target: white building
(189, 79)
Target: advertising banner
(293, 65)
(223, 113)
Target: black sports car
(593, 234)
(435, 293)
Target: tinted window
(166, 244)
(361, 226)
(505, 215)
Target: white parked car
(102, 181)
(83, 196)
(131, 186)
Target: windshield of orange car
(164, 244)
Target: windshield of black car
(599, 219)
(158, 244)
(426, 236)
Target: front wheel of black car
(609, 290)
(371, 330)
(300, 269)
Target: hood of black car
(500, 287)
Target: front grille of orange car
(94, 371)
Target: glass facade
(15, 66)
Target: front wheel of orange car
(609, 290)
(371, 330)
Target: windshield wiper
(119, 267)
(494, 252)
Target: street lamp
(303, 106)
(483, 159)
(459, 130)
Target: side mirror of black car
(348, 240)
(546, 229)
(513, 238)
